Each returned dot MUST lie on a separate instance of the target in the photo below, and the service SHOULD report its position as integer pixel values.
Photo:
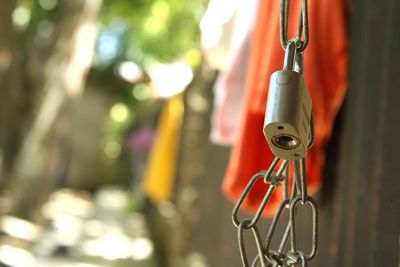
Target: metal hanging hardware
(288, 111)
(289, 130)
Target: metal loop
(272, 229)
(311, 140)
(243, 225)
(314, 244)
(295, 258)
(271, 168)
(286, 184)
(282, 168)
(278, 259)
(256, 261)
(302, 25)
(292, 258)
(290, 55)
(276, 178)
(297, 178)
(301, 178)
(242, 247)
(295, 190)
(299, 63)
(267, 257)
(304, 262)
(253, 180)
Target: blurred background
(89, 87)
(105, 151)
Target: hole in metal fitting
(297, 155)
(281, 127)
(286, 141)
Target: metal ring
(276, 178)
(242, 247)
(292, 208)
(295, 258)
(249, 186)
(311, 141)
(290, 55)
(272, 229)
(243, 225)
(256, 261)
(301, 178)
(302, 25)
(304, 262)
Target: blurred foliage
(160, 30)
(140, 31)
(145, 32)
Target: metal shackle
(290, 55)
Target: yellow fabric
(161, 166)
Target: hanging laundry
(217, 26)
(325, 61)
(233, 24)
(224, 27)
(161, 165)
(229, 99)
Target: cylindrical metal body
(287, 116)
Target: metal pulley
(288, 112)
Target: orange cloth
(325, 69)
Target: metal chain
(277, 174)
(280, 256)
(302, 24)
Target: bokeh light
(130, 71)
(119, 112)
(112, 149)
(141, 92)
(21, 16)
(48, 4)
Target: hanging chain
(303, 23)
(280, 256)
(278, 174)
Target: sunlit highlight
(65, 202)
(94, 228)
(154, 25)
(19, 228)
(114, 246)
(130, 72)
(15, 257)
(141, 92)
(48, 4)
(112, 198)
(170, 79)
(142, 248)
(119, 112)
(21, 16)
(68, 229)
(112, 149)
(88, 265)
(160, 9)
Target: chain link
(277, 174)
(302, 25)
(281, 256)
